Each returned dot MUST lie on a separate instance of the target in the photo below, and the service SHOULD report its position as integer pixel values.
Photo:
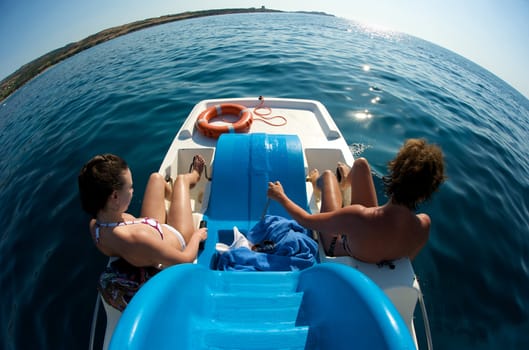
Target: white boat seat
(398, 281)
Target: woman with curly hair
(365, 230)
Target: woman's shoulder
(91, 228)
(92, 223)
(424, 221)
(129, 217)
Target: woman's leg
(331, 199)
(331, 196)
(180, 214)
(362, 192)
(154, 198)
(362, 186)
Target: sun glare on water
(373, 29)
(363, 115)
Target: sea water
(130, 95)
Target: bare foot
(196, 168)
(197, 165)
(313, 177)
(342, 172)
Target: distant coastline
(27, 72)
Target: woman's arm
(332, 222)
(190, 252)
(276, 192)
(142, 248)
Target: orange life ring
(241, 125)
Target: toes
(314, 174)
(198, 164)
(342, 171)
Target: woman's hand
(275, 190)
(202, 233)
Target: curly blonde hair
(415, 173)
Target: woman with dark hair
(159, 238)
(363, 229)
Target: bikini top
(147, 221)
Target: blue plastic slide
(328, 306)
(242, 167)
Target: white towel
(239, 241)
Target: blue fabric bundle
(294, 249)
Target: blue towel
(294, 249)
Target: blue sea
(130, 95)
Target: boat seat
(113, 315)
(397, 280)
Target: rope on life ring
(242, 125)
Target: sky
(492, 33)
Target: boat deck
(321, 140)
